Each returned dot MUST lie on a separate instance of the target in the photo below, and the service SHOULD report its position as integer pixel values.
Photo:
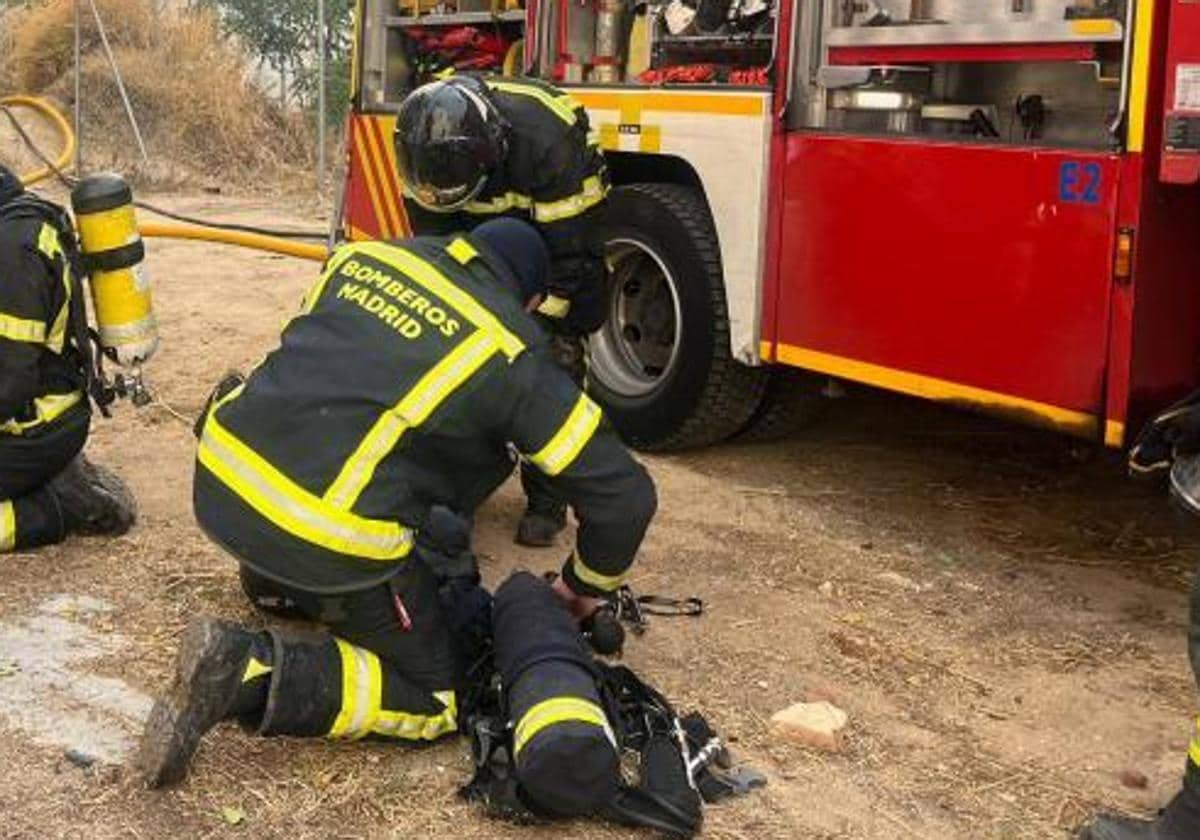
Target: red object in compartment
(679, 73)
(755, 76)
(464, 47)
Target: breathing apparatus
(112, 252)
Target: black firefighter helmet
(449, 138)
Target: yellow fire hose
(235, 237)
(244, 239)
(60, 124)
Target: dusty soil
(1001, 613)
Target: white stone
(817, 725)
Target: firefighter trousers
(389, 665)
(30, 514)
(570, 356)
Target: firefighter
(1169, 448)
(336, 475)
(48, 489)
(473, 148)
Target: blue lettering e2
(1079, 183)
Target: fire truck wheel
(793, 401)
(661, 365)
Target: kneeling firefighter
(337, 473)
(48, 378)
(1168, 449)
(472, 148)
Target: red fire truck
(990, 203)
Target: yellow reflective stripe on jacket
(564, 105)
(442, 380)
(46, 409)
(462, 250)
(1194, 749)
(331, 267)
(499, 204)
(48, 242)
(605, 583)
(591, 193)
(554, 307)
(559, 710)
(8, 526)
(362, 692)
(570, 439)
(290, 506)
(57, 339)
(427, 275)
(22, 329)
(412, 726)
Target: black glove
(582, 281)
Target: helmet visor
(441, 176)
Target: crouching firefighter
(474, 148)
(1168, 449)
(336, 471)
(48, 489)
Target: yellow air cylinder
(112, 252)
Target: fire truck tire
(793, 401)
(661, 366)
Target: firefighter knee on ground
(48, 378)
(342, 474)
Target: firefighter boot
(93, 500)
(222, 672)
(538, 528)
(544, 515)
(1180, 820)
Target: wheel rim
(638, 346)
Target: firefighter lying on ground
(1169, 450)
(48, 489)
(334, 474)
(472, 148)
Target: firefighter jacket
(554, 177)
(41, 369)
(410, 380)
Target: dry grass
(199, 114)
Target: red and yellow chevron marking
(373, 167)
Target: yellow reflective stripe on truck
(291, 507)
(431, 390)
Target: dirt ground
(999, 611)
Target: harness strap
(29, 206)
